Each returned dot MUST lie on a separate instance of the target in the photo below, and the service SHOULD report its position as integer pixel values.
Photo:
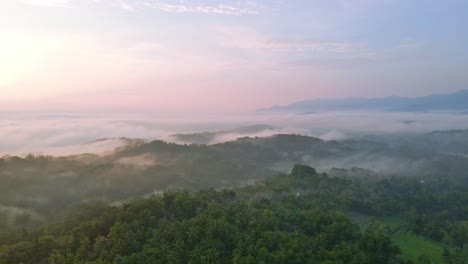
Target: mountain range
(457, 101)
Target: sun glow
(21, 57)
(33, 66)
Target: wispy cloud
(123, 5)
(47, 2)
(249, 39)
(410, 44)
(291, 45)
(219, 7)
(240, 8)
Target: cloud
(221, 8)
(218, 7)
(203, 7)
(59, 3)
(250, 39)
(123, 5)
(291, 45)
(409, 44)
(287, 54)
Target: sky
(225, 56)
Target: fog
(22, 134)
(367, 144)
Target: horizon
(170, 113)
(220, 56)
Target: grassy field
(411, 245)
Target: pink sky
(217, 55)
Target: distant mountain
(457, 101)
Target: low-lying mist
(22, 134)
(132, 163)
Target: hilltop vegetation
(295, 218)
(421, 185)
(204, 227)
(39, 189)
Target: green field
(411, 245)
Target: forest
(240, 202)
(301, 217)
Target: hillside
(47, 187)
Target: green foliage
(280, 219)
(302, 171)
(203, 227)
